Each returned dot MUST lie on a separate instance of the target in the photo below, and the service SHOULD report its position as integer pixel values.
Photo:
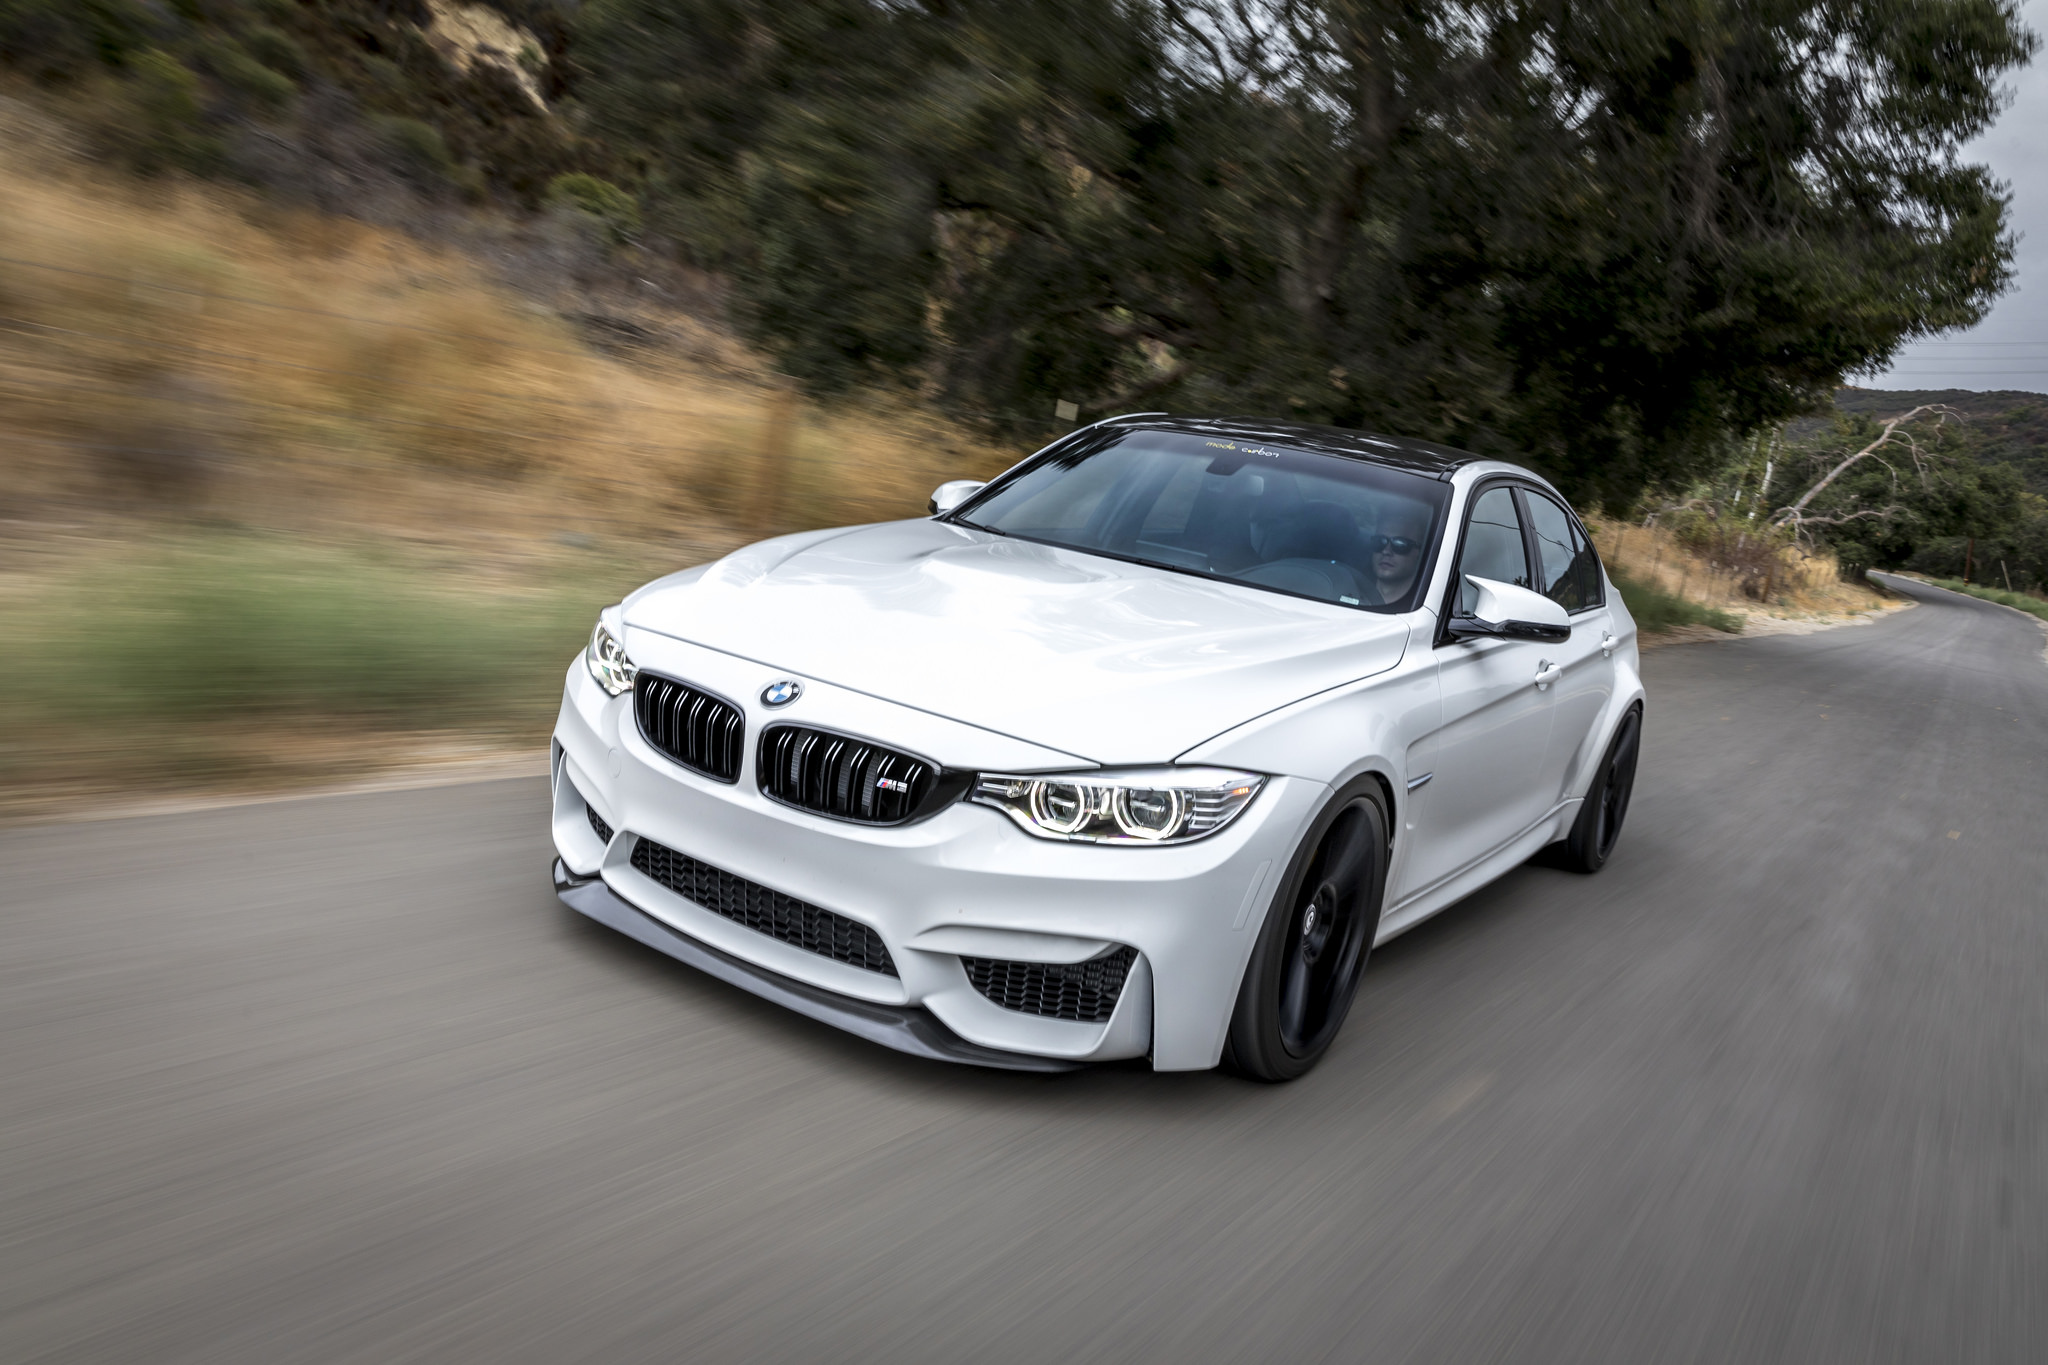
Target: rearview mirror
(1507, 612)
(951, 495)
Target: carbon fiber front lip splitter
(906, 1028)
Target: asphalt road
(339, 1080)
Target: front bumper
(907, 1028)
(965, 882)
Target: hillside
(2012, 424)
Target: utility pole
(1969, 552)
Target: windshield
(1321, 526)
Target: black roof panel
(1423, 457)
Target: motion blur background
(353, 352)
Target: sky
(2009, 349)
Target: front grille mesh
(597, 825)
(848, 779)
(1085, 992)
(691, 726)
(780, 917)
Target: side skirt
(1495, 865)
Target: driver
(1397, 551)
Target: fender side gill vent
(1084, 992)
(851, 779)
(783, 918)
(690, 725)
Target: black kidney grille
(848, 779)
(784, 918)
(692, 727)
(1085, 992)
(597, 824)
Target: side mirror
(950, 495)
(1506, 612)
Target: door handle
(1607, 643)
(1546, 674)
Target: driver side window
(1493, 546)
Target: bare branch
(1795, 515)
(1800, 523)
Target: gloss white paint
(992, 654)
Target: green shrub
(242, 73)
(1657, 611)
(277, 50)
(2033, 605)
(52, 39)
(416, 150)
(227, 627)
(602, 200)
(153, 119)
(165, 91)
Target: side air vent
(1084, 992)
(851, 779)
(765, 911)
(597, 825)
(691, 726)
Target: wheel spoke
(1616, 784)
(1293, 999)
(1320, 970)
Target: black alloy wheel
(1312, 949)
(1598, 827)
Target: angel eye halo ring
(1129, 807)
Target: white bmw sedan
(1135, 751)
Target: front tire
(1312, 948)
(1598, 827)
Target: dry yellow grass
(1802, 584)
(178, 360)
(166, 345)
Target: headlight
(1151, 806)
(608, 662)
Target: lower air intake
(597, 825)
(783, 918)
(1085, 992)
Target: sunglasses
(1400, 545)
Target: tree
(1610, 238)
(1883, 493)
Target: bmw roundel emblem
(781, 693)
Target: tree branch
(1796, 513)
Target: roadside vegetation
(353, 352)
(2027, 602)
(1657, 610)
(289, 496)
(244, 659)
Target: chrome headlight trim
(606, 657)
(1138, 807)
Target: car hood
(1112, 662)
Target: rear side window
(1493, 546)
(1566, 570)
